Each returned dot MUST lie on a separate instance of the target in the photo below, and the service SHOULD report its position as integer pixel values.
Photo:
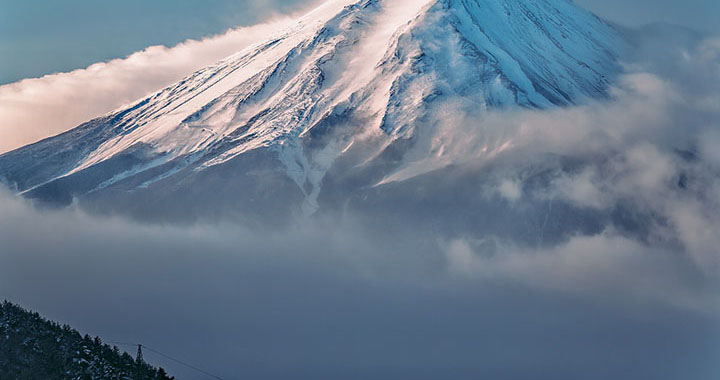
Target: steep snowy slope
(260, 130)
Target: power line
(169, 358)
(183, 363)
(121, 343)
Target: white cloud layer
(650, 151)
(325, 299)
(33, 109)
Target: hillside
(32, 347)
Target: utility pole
(139, 364)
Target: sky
(702, 15)
(39, 37)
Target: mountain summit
(355, 90)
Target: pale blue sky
(44, 36)
(39, 37)
(703, 15)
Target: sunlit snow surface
(347, 73)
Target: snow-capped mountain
(351, 94)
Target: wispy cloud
(33, 109)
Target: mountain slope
(357, 80)
(34, 348)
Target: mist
(325, 300)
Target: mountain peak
(348, 74)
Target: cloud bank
(33, 109)
(325, 299)
(643, 163)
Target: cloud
(330, 299)
(33, 109)
(643, 164)
(510, 190)
(596, 266)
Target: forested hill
(32, 347)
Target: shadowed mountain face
(348, 104)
